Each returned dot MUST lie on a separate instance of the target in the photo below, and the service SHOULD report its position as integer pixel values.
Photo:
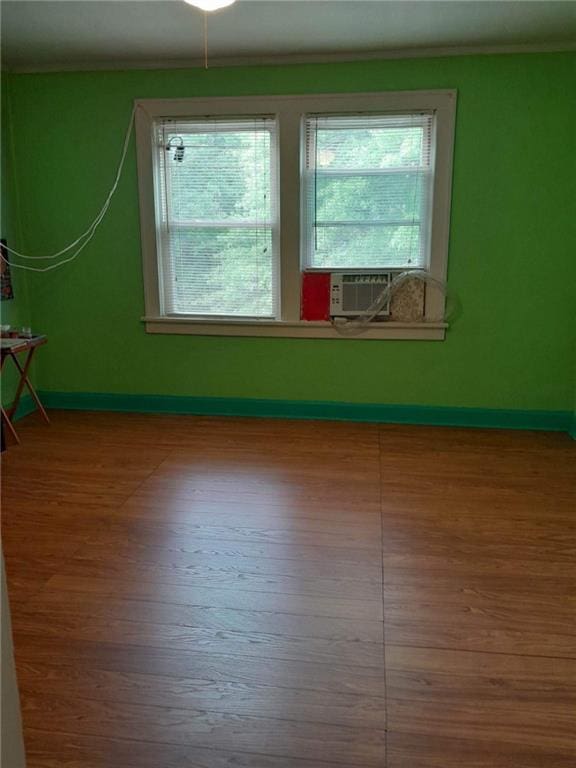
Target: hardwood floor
(227, 593)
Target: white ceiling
(68, 34)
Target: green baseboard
(25, 406)
(559, 421)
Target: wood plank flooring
(226, 593)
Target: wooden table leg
(10, 426)
(21, 383)
(25, 381)
(3, 415)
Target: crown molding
(286, 59)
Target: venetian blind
(217, 202)
(367, 188)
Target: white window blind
(367, 188)
(217, 203)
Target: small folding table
(11, 348)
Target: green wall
(512, 260)
(16, 311)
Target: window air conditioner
(352, 294)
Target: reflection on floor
(218, 593)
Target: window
(367, 191)
(240, 196)
(216, 216)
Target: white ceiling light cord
(205, 40)
(208, 6)
(91, 231)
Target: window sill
(295, 330)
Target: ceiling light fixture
(210, 5)
(207, 6)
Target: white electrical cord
(359, 324)
(344, 327)
(91, 231)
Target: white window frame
(273, 225)
(289, 112)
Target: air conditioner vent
(352, 294)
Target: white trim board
(295, 330)
(289, 111)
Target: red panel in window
(315, 296)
